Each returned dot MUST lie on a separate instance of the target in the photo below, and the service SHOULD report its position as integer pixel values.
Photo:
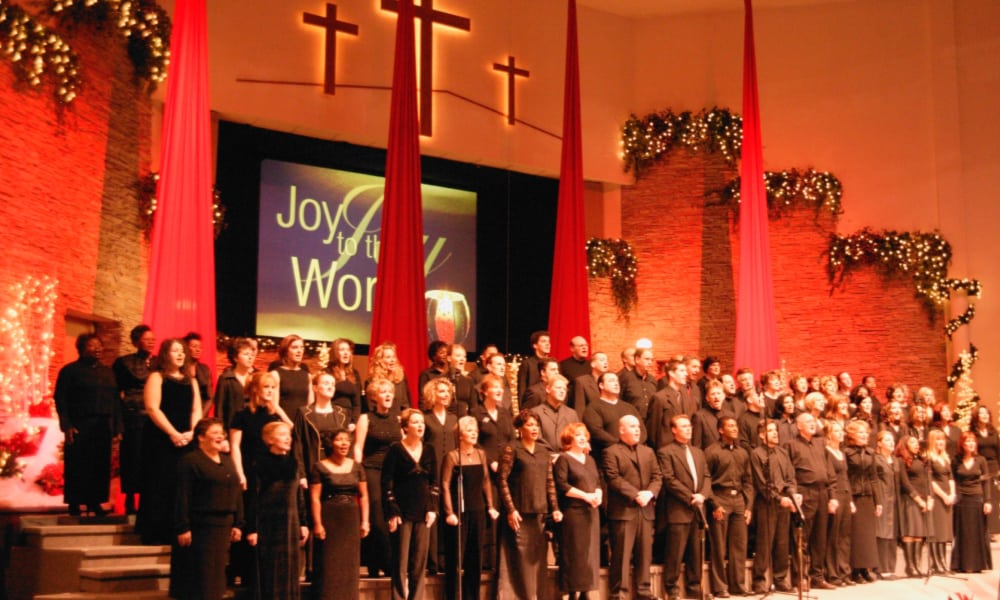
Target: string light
(786, 189)
(146, 188)
(613, 258)
(37, 52)
(649, 138)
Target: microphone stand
(459, 575)
(702, 527)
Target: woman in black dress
(440, 428)
(131, 372)
(971, 552)
(230, 389)
(943, 488)
(208, 516)
(578, 488)
(866, 499)
(173, 404)
(384, 364)
(838, 556)
(528, 492)
(339, 499)
(944, 420)
(410, 497)
(294, 384)
(274, 526)
(496, 430)
(988, 443)
(886, 525)
(347, 389)
(466, 466)
(915, 503)
(376, 431)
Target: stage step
(125, 579)
(46, 532)
(150, 595)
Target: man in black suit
(535, 395)
(686, 486)
(584, 389)
(639, 384)
(577, 363)
(527, 374)
(670, 401)
(633, 479)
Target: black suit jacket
(585, 393)
(533, 396)
(679, 487)
(627, 475)
(665, 404)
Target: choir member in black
(943, 420)
(838, 410)
(376, 431)
(774, 485)
(815, 404)
(528, 493)
(799, 386)
(553, 414)
(208, 515)
(785, 414)
(196, 369)
(918, 425)
(705, 422)
(338, 495)
(639, 383)
(633, 479)
(294, 383)
(131, 372)
(535, 395)
(988, 444)
(173, 404)
(730, 507)
(671, 400)
(276, 515)
(750, 419)
(915, 502)
(694, 379)
(384, 364)
(347, 380)
(584, 388)
(603, 418)
(230, 389)
(465, 515)
(527, 374)
(771, 390)
(317, 420)
(686, 485)
(892, 419)
(410, 499)
(440, 426)
(747, 386)
(945, 496)
(497, 365)
(819, 489)
(480, 369)
(865, 414)
(466, 390)
(577, 364)
(837, 567)
(971, 552)
(866, 501)
(86, 398)
(437, 353)
(886, 524)
(578, 488)
(496, 430)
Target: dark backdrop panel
(515, 229)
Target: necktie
(694, 472)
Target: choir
(314, 476)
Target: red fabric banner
(569, 310)
(400, 311)
(180, 292)
(756, 335)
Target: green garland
(37, 52)
(649, 138)
(785, 189)
(924, 258)
(146, 189)
(613, 258)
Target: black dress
(131, 372)
(989, 449)
(914, 482)
(338, 557)
(971, 550)
(441, 436)
(383, 430)
(838, 558)
(293, 391)
(310, 426)
(941, 513)
(866, 493)
(347, 395)
(159, 465)
(275, 503)
(230, 397)
(580, 527)
(86, 398)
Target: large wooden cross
(332, 27)
(512, 72)
(428, 18)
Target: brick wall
(688, 279)
(68, 201)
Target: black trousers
(814, 532)
(473, 531)
(631, 538)
(684, 544)
(728, 552)
(771, 545)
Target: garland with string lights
(785, 189)
(614, 259)
(36, 51)
(649, 138)
(146, 188)
(924, 258)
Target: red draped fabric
(180, 292)
(569, 312)
(756, 336)
(400, 313)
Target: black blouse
(409, 488)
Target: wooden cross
(332, 27)
(512, 72)
(428, 18)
